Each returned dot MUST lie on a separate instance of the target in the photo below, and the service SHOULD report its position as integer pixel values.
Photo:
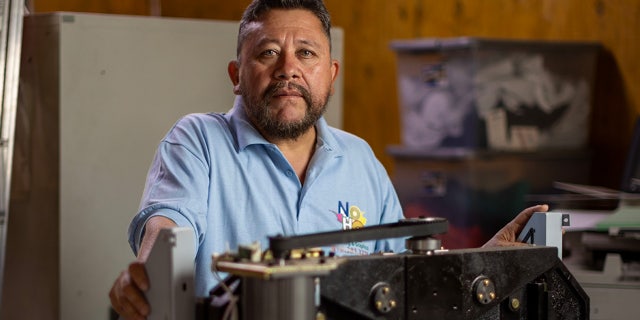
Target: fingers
(511, 244)
(518, 223)
(127, 296)
(507, 236)
(130, 312)
(139, 275)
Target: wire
(231, 311)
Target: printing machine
(296, 279)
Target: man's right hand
(127, 293)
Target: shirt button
(289, 173)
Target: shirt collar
(245, 133)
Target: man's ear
(234, 75)
(335, 70)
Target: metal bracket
(545, 229)
(170, 268)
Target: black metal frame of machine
(428, 283)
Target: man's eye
(306, 53)
(269, 53)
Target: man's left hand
(507, 236)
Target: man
(271, 165)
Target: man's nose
(288, 67)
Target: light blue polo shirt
(216, 174)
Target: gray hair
(257, 8)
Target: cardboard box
(479, 192)
(498, 94)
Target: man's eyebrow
(265, 41)
(307, 42)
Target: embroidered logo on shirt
(351, 217)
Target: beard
(264, 117)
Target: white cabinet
(98, 92)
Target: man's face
(285, 73)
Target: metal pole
(10, 51)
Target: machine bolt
(484, 290)
(515, 304)
(383, 298)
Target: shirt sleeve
(177, 185)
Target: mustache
(273, 88)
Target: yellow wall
(371, 109)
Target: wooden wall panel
(134, 7)
(370, 108)
(208, 9)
